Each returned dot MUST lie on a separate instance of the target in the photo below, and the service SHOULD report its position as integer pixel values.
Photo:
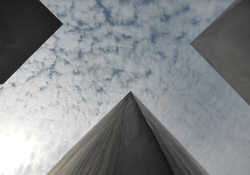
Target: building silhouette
(129, 140)
(225, 45)
(24, 26)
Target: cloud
(106, 49)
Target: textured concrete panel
(126, 142)
(225, 45)
(24, 26)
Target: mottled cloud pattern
(104, 50)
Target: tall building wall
(225, 45)
(24, 26)
(129, 140)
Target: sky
(106, 49)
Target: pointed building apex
(128, 140)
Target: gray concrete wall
(178, 157)
(225, 45)
(24, 26)
(124, 143)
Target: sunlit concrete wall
(225, 44)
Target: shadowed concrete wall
(225, 44)
(24, 26)
(129, 140)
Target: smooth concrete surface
(24, 26)
(225, 46)
(129, 140)
(180, 160)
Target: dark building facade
(24, 26)
(129, 140)
(225, 45)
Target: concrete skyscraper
(225, 45)
(129, 140)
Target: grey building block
(24, 26)
(129, 140)
(225, 45)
